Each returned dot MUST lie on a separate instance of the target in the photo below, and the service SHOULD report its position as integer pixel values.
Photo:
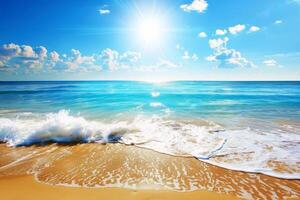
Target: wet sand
(116, 171)
(26, 188)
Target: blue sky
(150, 40)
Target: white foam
(155, 94)
(245, 149)
(56, 127)
(156, 104)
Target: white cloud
(278, 21)
(221, 32)
(113, 60)
(41, 52)
(197, 5)
(130, 57)
(254, 29)
(186, 55)
(25, 58)
(79, 62)
(211, 58)
(235, 58)
(218, 43)
(270, 63)
(8, 51)
(54, 56)
(227, 58)
(14, 56)
(166, 64)
(104, 11)
(236, 29)
(202, 35)
(27, 51)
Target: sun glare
(150, 31)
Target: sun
(150, 31)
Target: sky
(149, 40)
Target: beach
(118, 171)
(26, 188)
(149, 100)
(175, 140)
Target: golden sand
(26, 188)
(116, 170)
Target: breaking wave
(273, 152)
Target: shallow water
(246, 126)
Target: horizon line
(179, 80)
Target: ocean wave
(155, 94)
(242, 149)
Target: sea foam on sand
(251, 150)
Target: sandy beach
(125, 172)
(149, 100)
(25, 187)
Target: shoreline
(103, 169)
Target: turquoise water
(248, 123)
(267, 100)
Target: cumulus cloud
(218, 44)
(113, 60)
(254, 29)
(13, 56)
(79, 62)
(270, 63)
(8, 51)
(130, 57)
(41, 52)
(278, 22)
(54, 56)
(227, 58)
(24, 58)
(197, 5)
(202, 35)
(221, 32)
(27, 52)
(104, 11)
(236, 29)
